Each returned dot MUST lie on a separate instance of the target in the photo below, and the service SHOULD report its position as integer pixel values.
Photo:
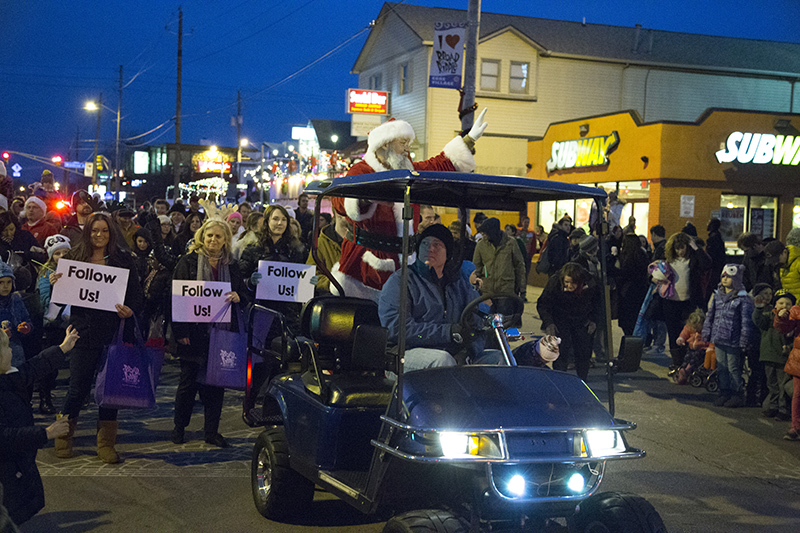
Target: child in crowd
(788, 323)
(729, 325)
(692, 337)
(14, 315)
(775, 347)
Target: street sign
(74, 164)
(16, 168)
(88, 169)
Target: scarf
(204, 269)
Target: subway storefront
(740, 167)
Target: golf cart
(464, 448)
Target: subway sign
(589, 152)
(760, 148)
(365, 101)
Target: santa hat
(387, 132)
(38, 201)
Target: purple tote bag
(227, 355)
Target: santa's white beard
(397, 161)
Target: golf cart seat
(344, 352)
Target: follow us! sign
(200, 301)
(88, 285)
(286, 282)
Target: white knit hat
(56, 242)
(387, 132)
(38, 201)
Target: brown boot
(64, 444)
(106, 439)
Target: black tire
(425, 521)
(696, 380)
(278, 491)
(712, 385)
(616, 512)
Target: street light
(98, 106)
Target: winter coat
(42, 229)
(329, 249)
(715, 247)
(659, 250)
(20, 439)
(790, 326)
(790, 275)
(72, 230)
(772, 340)
(557, 249)
(501, 267)
(23, 250)
(199, 333)
(285, 251)
(694, 339)
(729, 321)
(699, 263)
(568, 309)
(755, 269)
(433, 306)
(632, 280)
(96, 327)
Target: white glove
(479, 126)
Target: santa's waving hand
(362, 271)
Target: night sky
(56, 55)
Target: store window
(636, 195)
(405, 78)
(490, 75)
(552, 211)
(518, 78)
(796, 213)
(739, 213)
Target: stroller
(705, 375)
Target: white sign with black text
(88, 285)
(286, 282)
(200, 301)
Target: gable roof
(634, 45)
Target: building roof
(326, 128)
(634, 45)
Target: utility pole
(116, 156)
(97, 140)
(176, 165)
(238, 136)
(470, 58)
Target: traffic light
(6, 156)
(57, 159)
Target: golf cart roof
(452, 189)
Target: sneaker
(177, 436)
(782, 417)
(721, 400)
(734, 401)
(791, 435)
(217, 440)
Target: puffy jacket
(729, 321)
(790, 275)
(501, 267)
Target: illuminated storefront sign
(365, 101)
(589, 152)
(760, 148)
(213, 166)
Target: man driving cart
(438, 293)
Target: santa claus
(363, 269)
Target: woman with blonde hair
(208, 259)
(252, 227)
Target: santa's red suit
(360, 271)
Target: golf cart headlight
(605, 442)
(466, 445)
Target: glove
(255, 278)
(314, 280)
(591, 327)
(551, 330)
(478, 127)
(24, 328)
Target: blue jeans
(419, 358)
(729, 370)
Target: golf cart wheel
(278, 491)
(609, 512)
(425, 521)
(712, 385)
(696, 380)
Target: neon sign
(365, 101)
(760, 148)
(589, 152)
(213, 166)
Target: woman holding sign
(209, 259)
(276, 243)
(97, 245)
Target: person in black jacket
(558, 245)
(570, 309)
(98, 245)
(209, 259)
(275, 243)
(715, 248)
(18, 247)
(20, 439)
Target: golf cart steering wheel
(467, 327)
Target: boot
(64, 444)
(46, 403)
(106, 439)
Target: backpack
(543, 265)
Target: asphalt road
(707, 468)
